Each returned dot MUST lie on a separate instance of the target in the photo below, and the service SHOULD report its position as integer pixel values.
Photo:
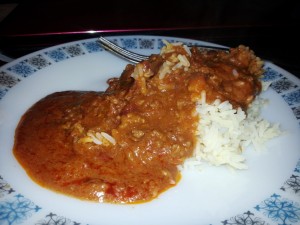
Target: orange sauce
(124, 145)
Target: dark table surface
(267, 27)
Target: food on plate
(128, 143)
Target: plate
(267, 193)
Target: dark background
(270, 28)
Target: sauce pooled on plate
(124, 145)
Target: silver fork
(135, 57)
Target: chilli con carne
(124, 145)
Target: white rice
(224, 133)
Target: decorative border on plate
(276, 209)
(280, 210)
(52, 218)
(14, 207)
(287, 88)
(246, 218)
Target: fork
(135, 57)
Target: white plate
(268, 192)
